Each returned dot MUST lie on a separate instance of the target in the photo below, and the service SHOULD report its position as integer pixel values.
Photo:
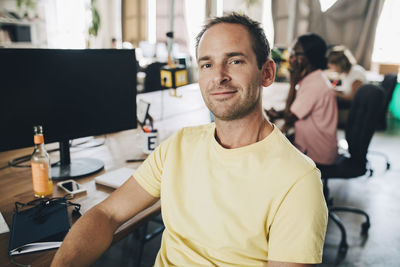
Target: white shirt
(356, 73)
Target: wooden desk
(16, 183)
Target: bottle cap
(38, 129)
(38, 137)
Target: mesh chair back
(388, 84)
(364, 112)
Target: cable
(79, 145)
(16, 162)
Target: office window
(387, 40)
(163, 23)
(188, 18)
(195, 16)
(134, 21)
(326, 4)
(62, 31)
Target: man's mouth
(223, 91)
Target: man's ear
(268, 73)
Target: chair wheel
(364, 228)
(343, 248)
(388, 166)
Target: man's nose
(221, 74)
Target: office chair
(388, 84)
(152, 81)
(144, 236)
(359, 130)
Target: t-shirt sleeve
(149, 174)
(302, 104)
(297, 232)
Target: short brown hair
(341, 57)
(260, 43)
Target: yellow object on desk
(173, 76)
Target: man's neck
(242, 132)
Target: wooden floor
(378, 195)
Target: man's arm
(288, 116)
(92, 234)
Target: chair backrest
(152, 81)
(388, 84)
(361, 125)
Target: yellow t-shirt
(235, 207)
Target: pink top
(316, 109)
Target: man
(232, 193)
(311, 104)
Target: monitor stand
(67, 169)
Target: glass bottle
(40, 164)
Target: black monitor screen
(71, 93)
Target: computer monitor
(71, 93)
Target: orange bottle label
(38, 139)
(40, 177)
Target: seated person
(234, 192)
(311, 104)
(352, 75)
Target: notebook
(115, 178)
(38, 229)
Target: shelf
(17, 45)
(14, 22)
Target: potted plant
(95, 23)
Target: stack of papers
(115, 178)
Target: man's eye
(206, 66)
(236, 61)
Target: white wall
(10, 5)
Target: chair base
(343, 246)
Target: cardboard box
(388, 68)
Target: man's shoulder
(193, 133)
(297, 163)
(293, 157)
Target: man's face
(230, 81)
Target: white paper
(3, 225)
(115, 178)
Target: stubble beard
(236, 110)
